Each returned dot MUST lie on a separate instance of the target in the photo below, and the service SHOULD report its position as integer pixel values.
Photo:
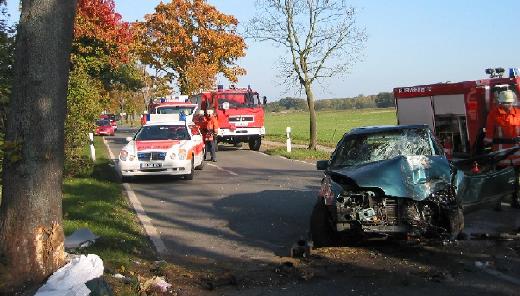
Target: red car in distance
(112, 118)
(104, 128)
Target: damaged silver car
(388, 181)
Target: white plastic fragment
(119, 276)
(80, 238)
(70, 279)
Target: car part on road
(301, 249)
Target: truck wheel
(322, 233)
(255, 143)
(192, 170)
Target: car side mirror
(322, 165)
(128, 139)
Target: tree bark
(312, 116)
(31, 233)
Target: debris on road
(155, 284)
(71, 278)
(80, 238)
(219, 281)
(302, 248)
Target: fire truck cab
(240, 114)
(456, 112)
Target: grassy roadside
(96, 201)
(331, 124)
(299, 153)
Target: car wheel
(192, 170)
(255, 143)
(201, 166)
(322, 233)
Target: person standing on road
(210, 133)
(503, 131)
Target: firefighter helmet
(200, 112)
(209, 112)
(506, 97)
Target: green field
(331, 124)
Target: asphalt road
(246, 207)
(243, 213)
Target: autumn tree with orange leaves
(191, 42)
(102, 64)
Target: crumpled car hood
(414, 177)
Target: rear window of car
(162, 132)
(359, 149)
(103, 123)
(175, 110)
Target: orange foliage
(100, 32)
(192, 41)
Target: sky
(410, 42)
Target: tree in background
(191, 42)
(321, 38)
(6, 64)
(102, 63)
(31, 231)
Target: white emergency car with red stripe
(163, 147)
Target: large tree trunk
(312, 116)
(31, 233)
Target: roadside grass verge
(299, 153)
(331, 124)
(96, 202)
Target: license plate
(148, 165)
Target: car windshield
(359, 149)
(162, 132)
(103, 123)
(175, 110)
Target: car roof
(385, 128)
(176, 104)
(183, 123)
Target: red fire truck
(456, 112)
(240, 114)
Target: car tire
(321, 231)
(255, 143)
(192, 170)
(201, 166)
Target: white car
(163, 148)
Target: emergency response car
(164, 146)
(177, 105)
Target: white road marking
(223, 170)
(149, 228)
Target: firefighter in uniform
(503, 130)
(210, 131)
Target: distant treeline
(381, 100)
